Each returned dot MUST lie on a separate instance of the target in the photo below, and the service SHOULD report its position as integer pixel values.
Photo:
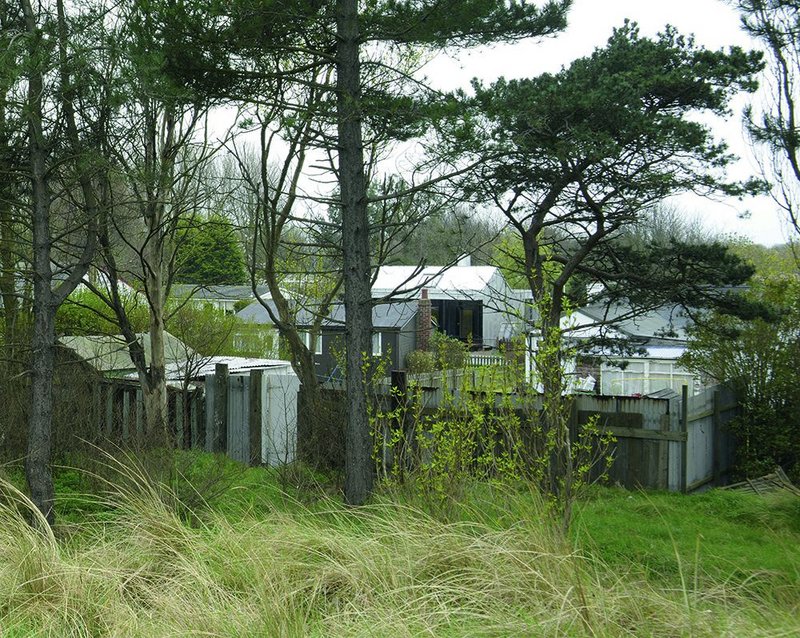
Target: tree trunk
(9, 255)
(8, 278)
(355, 247)
(155, 394)
(560, 479)
(45, 300)
(37, 461)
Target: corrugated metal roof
(207, 365)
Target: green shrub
(419, 361)
(84, 313)
(450, 352)
(446, 353)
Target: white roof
(664, 352)
(434, 278)
(108, 353)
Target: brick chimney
(424, 321)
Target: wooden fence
(118, 410)
(709, 448)
(251, 417)
(677, 444)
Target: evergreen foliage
(209, 253)
(575, 158)
(758, 358)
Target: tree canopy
(776, 126)
(758, 358)
(210, 253)
(574, 158)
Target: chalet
(226, 298)
(470, 303)
(655, 340)
(394, 333)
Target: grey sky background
(714, 23)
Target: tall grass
(385, 570)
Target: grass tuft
(152, 565)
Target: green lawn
(719, 536)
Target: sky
(714, 23)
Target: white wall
(279, 425)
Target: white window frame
(305, 336)
(377, 349)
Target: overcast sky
(713, 22)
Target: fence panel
(260, 415)
(238, 435)
(478, 359)
(117, 409)
(658, 446)
(645, 429)
(710, 445)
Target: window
(305, 337)
(376, 344)
(318, 344)
(644, 377)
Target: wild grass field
(211, 549)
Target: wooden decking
(773, 482)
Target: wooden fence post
(219, 441)
(663, 454)
(139, 423)
(255, 416)
(126, 414)
(97, 409)
(180, 430)
(194, 419)
(109, 409)
(684, 425)
(398, 396)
